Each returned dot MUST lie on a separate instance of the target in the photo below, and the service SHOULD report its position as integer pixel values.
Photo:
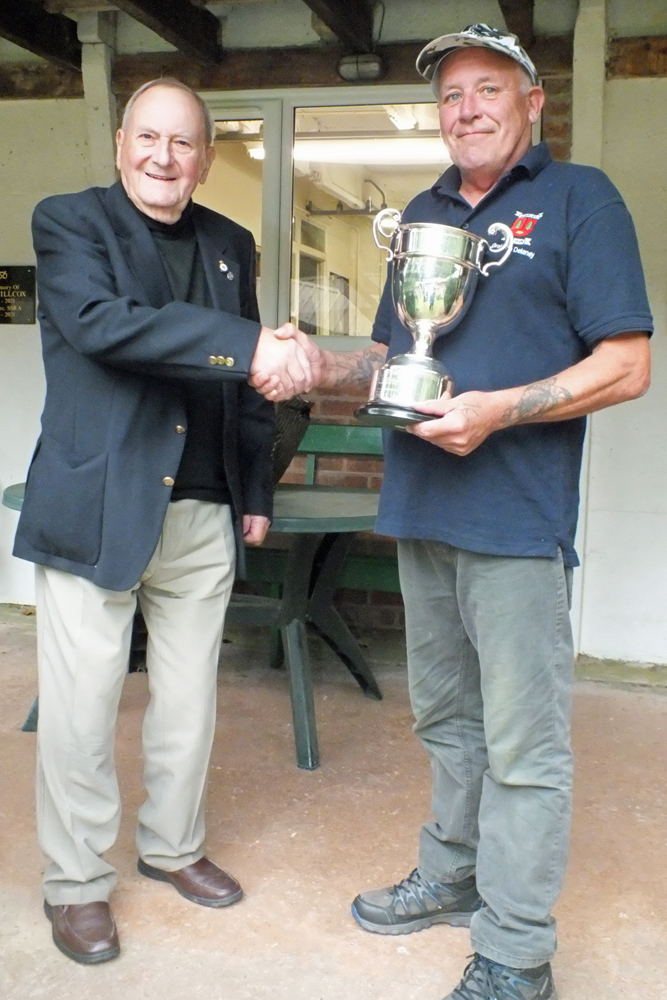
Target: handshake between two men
(285, 363)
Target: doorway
(307, 171)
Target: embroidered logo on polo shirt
(524, 224)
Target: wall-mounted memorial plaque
(17, 293)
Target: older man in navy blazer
(152, 469)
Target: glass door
(234, 184)
(350, 162)
(245, 184)
(306, 170)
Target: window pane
(312, 236)
(234, 183)
(349, 162)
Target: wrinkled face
(487, 108)
(162, 153)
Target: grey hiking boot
(414, 904)
(487, 980)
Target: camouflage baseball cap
(480, 35)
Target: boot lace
(415, 889)
(486, 980)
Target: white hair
(170, 81)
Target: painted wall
(49, 157)
(632, 18)
(234, 187)
(625, 562)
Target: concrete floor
(304, 843)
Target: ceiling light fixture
(406, 151)
(365, 66)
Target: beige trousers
(83, 639)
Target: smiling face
(162, 152)
(487, 109)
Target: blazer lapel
(219, 264)
(139, 249)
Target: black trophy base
(396, 417)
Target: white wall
(48, 157)
(628, 18)
(625, 560)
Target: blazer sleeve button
(229, 362)
(213, 360)
(168, 481)
(221, 360)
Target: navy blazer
(116, 350)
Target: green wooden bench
(360, 571)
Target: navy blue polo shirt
(573, 278)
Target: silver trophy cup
(434, 273)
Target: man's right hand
(284, 364)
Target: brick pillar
(557, 116)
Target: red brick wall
(360, 473)
(557, 116)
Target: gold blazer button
(168, 481)
(229, 362)
(213, 360)
(180, 429)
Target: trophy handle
(382, 226)
(505, 248)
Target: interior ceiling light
(412, 151)
(427, 149)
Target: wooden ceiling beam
(637, 57)
(518, 16)
(350, 20)
(77, 6)
(51, 36)
(249, 69)
(194, 31)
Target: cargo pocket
(62, 510)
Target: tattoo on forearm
(356, 368)
(536, 399)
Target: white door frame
(277, 108)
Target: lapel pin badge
(223, 266)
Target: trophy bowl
(434, 273)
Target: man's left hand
(255, 528)
(465, 421)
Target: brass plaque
(17, 293)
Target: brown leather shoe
(85, 932)
(203, 882)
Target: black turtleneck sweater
(201, 474)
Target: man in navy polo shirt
(483, 501)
